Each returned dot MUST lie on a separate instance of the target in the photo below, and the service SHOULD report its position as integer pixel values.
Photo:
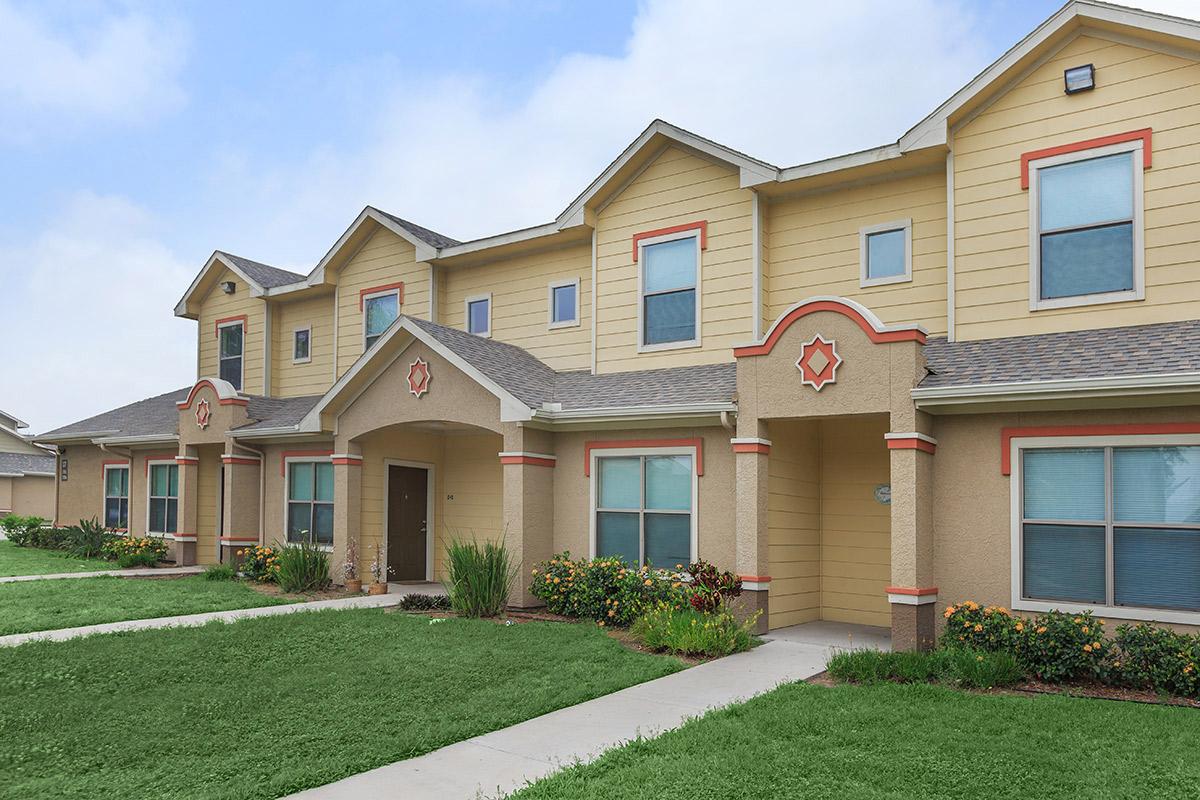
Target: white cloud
(118, 68)
(91, 327)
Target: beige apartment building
(965, 364)
(26, 472)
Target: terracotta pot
(377, 588)
(354, 585)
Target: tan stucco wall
(29, 496)
(972, 539)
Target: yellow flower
(556, 580)
(979, 629)
(1095, 645)
(535, 572)
(948, 613)
(1078, 620)
(1041, 629)
(1087, 648)
(1085, 629)
(600, 623)
(649, 582)
(1020, 627)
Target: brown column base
(185, 553)
(913, 626)
(750, 601)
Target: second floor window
(564, 304)
(163, 498)
(479, 315)
(232, 343)
(885, 253)
(379, 312)
(310, 502)
(302, 345)
(1086, 211)
(669, 299)
(116, 497)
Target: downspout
(727, 424)
(262, 485)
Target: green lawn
(260, 708)
(899, 742)
(70, 602)
(35, 561)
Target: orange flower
(1087, 648)
(1041, 629)
(1085, 629)
(1020, 627)
(1095, 645)
(649, 582)
(948, 613)
(979, 629)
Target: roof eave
(940, 397)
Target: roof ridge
(427, 235)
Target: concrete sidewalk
(503, 761)
(148, 572)
(192, 620)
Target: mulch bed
(1090, 690)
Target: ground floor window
(310, 502)
(116, 497)
(1111, 526)
(644, 508)
(164, 498)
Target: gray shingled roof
(277, 412)
(152, 416)
(265, 276)
(432, 238)
(25, 462)
(534, 383)
(1160, 349)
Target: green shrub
(302, 567)
(47, 538)
(22, 531)
(425, 602)
(478, 577)
(1146, 657)
(1059, 647)
(604, 589)
(87, 539)
(219, 572)
(135, 551)
(709, 587)
(956, 666)
(686, 631)
(990, 628)
(257, 563)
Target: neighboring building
(962, 365)
(26, 472)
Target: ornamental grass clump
(302, 567)
(479, 577)
(955, 666)
(688, 632)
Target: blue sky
(135, 138)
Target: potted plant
(379, 572)
(350, 568)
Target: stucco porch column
(241, 509)
(187, 505)
(752, 449)
(912, 595)
(347, 512)
(528, 464)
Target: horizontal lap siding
(218, 305)
(676, 188)
(386, 258)
(294, 380)
(794, 523)
(207, 493)
(520, 302)
(1136, 88)
(813, 248)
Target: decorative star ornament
(818, 362)
(203, 414)
(418, 378)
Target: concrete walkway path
(494, 764)
(192, 620)
(147, 572)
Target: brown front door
(408, 516)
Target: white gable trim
(425, 251)
(217, 260)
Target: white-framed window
(669, 291)
(1085, 227)
(116, 496)
(478, 314)
(380, 310)
(302, 345)
(162, 499)
(231, 339)
(885, 253)
(644, 505)
(310, 501)
(564, 304)
(1108, 524)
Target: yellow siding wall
(677, 187)
(520, 302)
(1136, 88)
(314, 377)
(218, 305)
(207, 479)
(466, 467)
(813, 248)
(385, 258)
(794, 523)
(12, 443)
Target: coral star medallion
(818, 362)
(418, 378)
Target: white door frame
(431, 476)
